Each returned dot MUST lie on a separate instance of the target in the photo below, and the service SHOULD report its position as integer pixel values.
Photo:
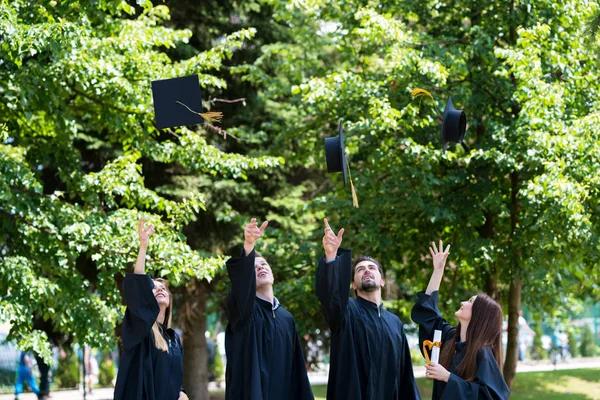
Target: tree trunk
(512, 347)
(514, 294)
(195, 360)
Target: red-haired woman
(151, 365)
(470, 365)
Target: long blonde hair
(159, 340)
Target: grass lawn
(577, 384)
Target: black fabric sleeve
(242, 295)
(408, 385)
(427, 315)
(489, 383)
(301, 389)
(181, 349)
(333, 287)
(142, 309)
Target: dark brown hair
(366, 258)
(484, 330)
(257, 254)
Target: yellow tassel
(354, 196)
(420, 93)
(211, 116)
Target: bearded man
(370, 358)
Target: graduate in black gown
(264, 355)
(370, 358)
(470, 365)
(151, 364)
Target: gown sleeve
(142, 309)
(426, 314)
(407, 381)
(181, 389)
(488, 384)
(333, 286)
(241, 298)
(301, 388)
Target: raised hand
(439, 256)
(331, 242)
(251, 234)
(144, 232)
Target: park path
(321, 378)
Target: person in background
(25, 374)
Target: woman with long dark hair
(151, 364)
(470, 364)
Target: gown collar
(369, 304)
(266, 303)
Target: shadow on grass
(578, 384)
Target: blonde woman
(151, 366)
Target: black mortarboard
(454, 125)
(177, 102)
(335, 154)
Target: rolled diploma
(435, 351)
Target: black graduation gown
(489, 382)
(264, 355)
(145, 372)
(370, 358)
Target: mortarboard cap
(335, 154)
(454, 125)
(178, 102)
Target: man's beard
(368, 286)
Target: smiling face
(367, 277)
(264, 275)
(464, 312)
(161, 294)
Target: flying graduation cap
(335, 156)
(178, 102)
(454, 122)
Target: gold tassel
(420, 93)
(354, 196)
(211, 116)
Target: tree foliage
(78, 129)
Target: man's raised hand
(331, 242)
(251, 234)
(144, 232)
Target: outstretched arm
(240, 301)
(425, 312)
(142, 308)
(439, 263)
(144, 233)
(333, 278)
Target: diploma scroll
(434, 347)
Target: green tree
(107, 373)
(67, 371)
(519, 207)
(573, 345)
(80, 156)
(537, 349)
(588, 347)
